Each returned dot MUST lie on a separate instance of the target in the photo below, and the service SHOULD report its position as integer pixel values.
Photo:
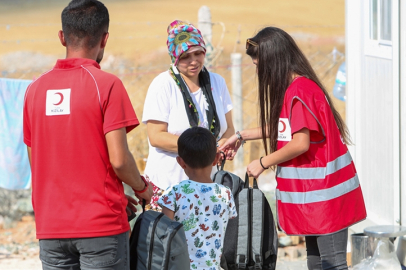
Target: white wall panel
(375, 138)
(402, 82)
(373, 116)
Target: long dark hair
(278, 59)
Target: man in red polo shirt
(75, 122)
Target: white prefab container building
(376, 105)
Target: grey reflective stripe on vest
(243, 219)
(257, 207)
(314, 173)
(318, 195)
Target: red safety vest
(318, 192)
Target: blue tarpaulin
(15, 172)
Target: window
(379, 40)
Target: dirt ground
(136, 52)
(19, 246)
(19, 249)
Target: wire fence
(137, 57)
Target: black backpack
(255, 219)
(157, 242)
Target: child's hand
(254, 169)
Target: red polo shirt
(67, 112)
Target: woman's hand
(254, 169)
(298, 145)
(230, 147)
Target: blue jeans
(107, 253)
(327, 251)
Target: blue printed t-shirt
(204, 209)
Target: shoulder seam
(97, 86)
(311, 112)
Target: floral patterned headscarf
(181, 37)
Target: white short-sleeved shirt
(204, 210)
(164, 102)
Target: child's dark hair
(84, 21)
(197, 147)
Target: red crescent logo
(60, 101)
(284, 126)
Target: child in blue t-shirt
(202, 206)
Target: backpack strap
(218, 176)
(143, 203)
(133, 215)
(236, 182)
(257, 223)
(242, 238)
(247, 182)
(223, 161)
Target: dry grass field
(136, 51)
(40, 19)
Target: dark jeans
(107, 253)
(327, 251)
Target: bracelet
(239, 137)
(238, 134)
(260, 162)
(145, 188)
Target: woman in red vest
(318, 193)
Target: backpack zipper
(171, 236)
(151, 244)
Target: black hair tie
(260, 162)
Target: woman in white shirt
(186, 95)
